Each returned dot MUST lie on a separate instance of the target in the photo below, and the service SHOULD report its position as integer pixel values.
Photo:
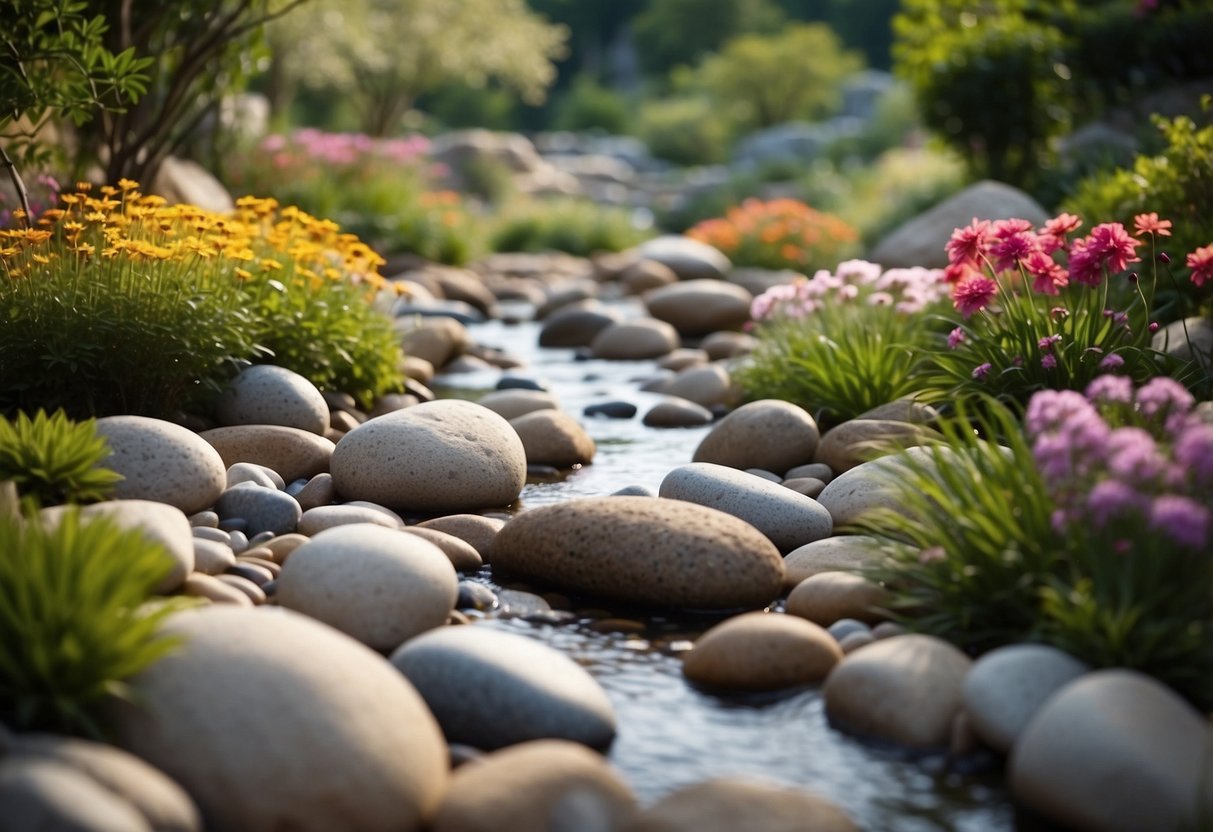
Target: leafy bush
(779, 234)
(570, 225)
(685, 130)
(55, 460)
(587, 105)
(74, 619)
(841, 344)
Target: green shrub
(74, 619)
(573, 226)
(687, 130)
(55, 460)
(587, 105)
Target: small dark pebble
(233, 524)
(260, 539)
(257, 574)
(543, 473)
(519, 383)
(474, 596)
(611, 410)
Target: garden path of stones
(348, 656)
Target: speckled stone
(256, 704)
(477, 530)
(707, 386)
(511, 403)
(840, 553)
(266, 394)
(635, 340)
(264, 509)
(548, 785)
(808, 486)
(769, 433)
(698, 307)
(438, 340)
(162, 461)
(490, 688)
(788, 519)
(829, 596)
(677, 413)
(761, 651)
(258, 474)
(733, 805)
(643, 550)
(293, 453)
(315, 520)
(319, 491)
(381, 586)
(442, 456)
(212, 557)
(905, 689)
(459, 552)
(553, 437)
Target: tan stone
(294, 454)
(761, 651)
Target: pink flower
(1014, 248)
(981, 370)
(1046, 344)
(1182, 519)
(1048, 361)
(969, 245)
(1112, 361)
(955, 338)
(1201, 264)
(1151, 224)
(956, 272)
(1113, 246)
(1053, 235)
(1110, 389)
(1048, 276)
(973, 294)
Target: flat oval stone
(319, 491)
(576, 325)
(829, 596)
(733, 805)
(688, 259)
(381, 586)
(315, 520)
(293, 453)
(611, 410)
(708, 385)
(697, 307)
(490, 689)
(459, 552)
(635, 340)
(163, 462)
(677, 413)
(441, 456)
(788, 519)
(264, 509)
(769, 433)
(266, 394)
(643, 550)
(511, 403)
(476, 529)
(840, 553)
(553, 437)
(211, 556)
(761, 651)
(860, 440)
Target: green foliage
(673, 32)
(686, 130)
(957, 59)
(838, 362)
(763, 80)
(574, 226)
(459, 105)
(587, 105)
(1177, 184)
(55, 460)
(56, 65)
(971, 543)
(74, 619)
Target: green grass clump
(573, 226)
(55, 460)
(74, 619)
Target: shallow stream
(671, 734)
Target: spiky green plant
(74, 618)
(54, 459)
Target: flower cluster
(309, 145)
(908, 290)
(779, 234)
(1133, 463)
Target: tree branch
(18, 183)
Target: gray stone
(840, 553)
(707, 386)
(860, 440)
(264, 509)
(815, 470)
(1187, 340)
(442, 456)
(42, 794)
(682, 358)
(163, 462)
(265, 394)
(319, 491)
(315, 520)
(381, 586)
(688, 259)
(721, 345)
(786, 518)
(576, 325)
(293, 453)
(635, 340)
(638, 549)
(490, 689)
(212, 557)
(510, 404)
(1007, 686)
(552, 437)
(677, 413)
(258, 474)
(699, 307)
(199, 585)
(644, 275)
(770, 434)
(255, 702)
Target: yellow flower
(127, 184)
(84, 187)
(40, 258)
(270, 265)
(108, 190)
(244, 274)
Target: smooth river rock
(263, 509)
(643, 550)
(476, 529)
(162, 461)
(770, 434)
(1116, 751)
(788, 519)
(861, 440)
(315, 520)
(266, 394)
(553, 437)
(688, 259)
(830, 596)
(489, 688)
(511, 403)
(381, 586)
(541, 786)
(271, 720)
(677, 413)
(761, 651)
(635, 340)
(707, 386)
(699, 307)
(293, 453)
(737, 805)
(840, 553)
(438, 457)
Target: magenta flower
(1110, 389)
(1112, 361)
(955, 338)
(1048, 276)
(1046, 344)
(973, 294)
(1182, 519)
(1107, 246)
(971, 244)
(1201, 264)
(981, 370)
(1163, 394)
(1012, 249)
(1111, 498)
(1133, 455)
(1053, 235)
(1048, 361)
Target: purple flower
(1133, 455)
(1193, 451)
(1049, 409)
(1161, 394)
(1046, 344)
(981, 370)
(1111, 361)
(956, 337)
(1110, 498)
(1048, 361)
(1110, 389)
(1182, 519)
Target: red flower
(970, 244)
(1151, 224)
(1201, 264)
(1053, 236)
(973, 294)
(1048, 276)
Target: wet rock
(552, 437)
(576, 325)
(490, 689)
(474, 596)
(699, 307)
(761, 651)
(786, 518)
(163, 462)
(707, 386)
(611, 410)
(770, 434)
(293, 453)
(519, 383)
(442, 456)
(826, 597)
(477, 530)
(266, 394)
(381, 586)
(635, 340)
(905, 690)
(677, 413)
(643, 550)
(731, 805)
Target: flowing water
(669, 733)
